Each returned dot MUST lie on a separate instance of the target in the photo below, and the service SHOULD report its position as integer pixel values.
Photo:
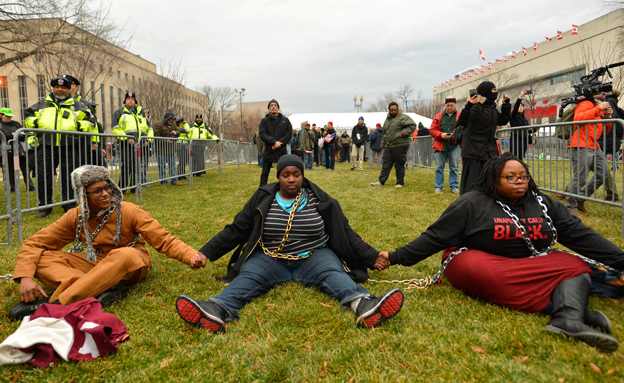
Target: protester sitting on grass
(108, 238)
(293, 231)
(506, 229)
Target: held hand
(198, 261)
(30, 290)
(382, 262)
(604, 106)
(474, 99)
(130, 141)
(505, 98)
(522, 93)
(400, 134)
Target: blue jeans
(261, 273)
(452, 157)
(308, 159)
(165, 160)
(329, 156)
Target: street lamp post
(356, 105)
(241, 93)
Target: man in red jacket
(585, 152)
(446, 149)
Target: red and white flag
(574, 29)
(451, 82)
(465, 77)
(559, 35)
(489, 65)
(482, 69)
(534, 46)
(513, 54)
(549, 38)
(435, 89)
(481, 55)
(470, 74)
(524, 51)
(497, 60)
(505, 58)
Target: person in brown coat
(108, 249)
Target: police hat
(60, 81)
(199, 116)
(71, 79)
(130, 94)
(179, 119)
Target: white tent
(346, 121)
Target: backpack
(564, 131)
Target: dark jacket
(363, 132)
(273, 129)
(248, 224)
(334, 140)
(162, 129)
(519, 139)
(375, 139)
(401, 123)
(617, 129)
(481, 120)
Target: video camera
(591, 88)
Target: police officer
(59, 111)
(182, 145)
(198, 131)
(130, 121)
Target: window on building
(41, 87)
(132, 80)
(92, 91)
(4, 91)
(139, 81)
(126, 77)
(21, 60)
(101, 68)
(119, 75)
(2, 56)
(23, 95)
(570, 77)
(103, 101)
(119, 97)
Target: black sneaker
(22, 309)
(201, 313)
(111, 296)
(372, 311)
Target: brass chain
(423, 283)
(275, 253)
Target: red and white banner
(559, 35)
(505, 58)
(513, 54)
(470, 74)
(534, 46)
(489, 65)
(482, 69)
(574, 29)
(549, 38)
(524, 51)
(497, 60)
(481, 55)
(465, 77)
(434, 90)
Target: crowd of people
(497, 238)
(65, 111)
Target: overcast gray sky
(314, 56)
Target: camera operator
(613, 144)
(520, 139)
(586, 154)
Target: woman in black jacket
(479, 144)
(293, 231)
(520, 139)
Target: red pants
(524, 284)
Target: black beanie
(275, 101)
(289, 160)
(485, 88)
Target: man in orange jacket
(585, 153)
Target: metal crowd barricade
(204, 155)
(421, 152)
(553, 163)
(54, 164)
(8, 214)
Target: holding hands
(382, 262)
(198, 261)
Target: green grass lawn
(300, 335)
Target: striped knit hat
(83, 177)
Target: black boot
(569, 301)
(595, 319)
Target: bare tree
(381, 104)
(404, 93)
(61, 36)
(218, 100)
(423, 105)
(160, 92)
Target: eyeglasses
(97, 192)
(514, 179)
